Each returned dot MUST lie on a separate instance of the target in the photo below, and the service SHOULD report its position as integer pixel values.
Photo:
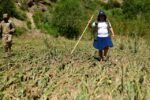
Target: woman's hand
(112, 32)
(113, 35)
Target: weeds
(43, 69)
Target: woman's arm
(110, 28)
(112, 31)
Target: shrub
(111, 4)
(24, 4)
(133, 8)
(29, 24)
(19, 31)
(129, 8)
(67, 18)
(43, 22)
(38, 19)
(19, 14)
(8, 6)
(90, 4)
(136, 14)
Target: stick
(82, 34)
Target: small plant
(29, 24)
(19, 31)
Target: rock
(30, 3)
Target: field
(42, 68)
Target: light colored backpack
(95, 29)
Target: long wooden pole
(82, 34)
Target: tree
(133, 8)
(8, 6)
(67, 18)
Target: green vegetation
(111, 4)
(43, 68)
(29, 24)
(8, 6)
(24, 4)
(68, 17)
(43, 22)
(19, 31)
(135, 8)
(131, 17)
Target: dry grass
(43, 69)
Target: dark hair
(101, 13)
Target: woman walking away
(103, 41)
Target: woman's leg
(105, 53)
(101, 54)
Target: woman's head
(101, 16)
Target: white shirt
(102, 28)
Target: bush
(38, 19)
(129, 8)
(19, 31)
(90, 4)
(43, 22)
(136, 14)
(24, 4)
(67, 18)
(8, 6)
(29, 24)
(134, 8)
(20, 15)
(117, 13)
(111, 4)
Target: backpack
(96, 28)
(12, 25)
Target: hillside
(42, 68)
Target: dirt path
(34, 30)
(29, 15)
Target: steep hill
(42, 68)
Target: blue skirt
(102, 42)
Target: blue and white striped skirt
(102, 42)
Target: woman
(103, 41)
